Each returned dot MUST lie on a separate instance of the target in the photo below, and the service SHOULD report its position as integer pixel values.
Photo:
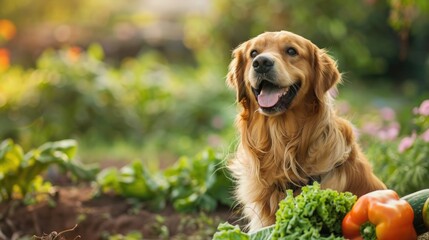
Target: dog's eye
(253, 53)
(291, 51)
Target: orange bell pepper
(391, 216)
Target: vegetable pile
(314, 214)
(328, 214)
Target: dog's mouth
(273, 98)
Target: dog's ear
(235, 76)
(326, 73)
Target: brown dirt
(99, 217)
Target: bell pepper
(391, 216)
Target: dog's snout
(262, 64)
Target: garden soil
(74, 213)
(100, 217)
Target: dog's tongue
(269, 96)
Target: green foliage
(156, 104)
(160, 228)
(405, 172)
(134, 235)
(73, 93)
(198, 183)
(372, 30)
(226, 231)
(134, 181)
(403, 164)
(313, 214)
(204, 224)
(225, 29)
(20, 174)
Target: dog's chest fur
(274, 156)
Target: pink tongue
(269, 97)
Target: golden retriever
(290, 135)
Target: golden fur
(288, 148)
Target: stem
(368, 231)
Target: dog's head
(277, 71)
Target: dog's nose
(262, 64)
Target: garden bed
(103, 217)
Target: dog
(290, 134)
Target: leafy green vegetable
(313, 214)
(226, 231)
(134, 181)
(20, 174)
(262, 234)
(198, 183)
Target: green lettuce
(313, 214)
(226, 231)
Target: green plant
(135, 181)
(403, 164)
(145, 101)
(133, 235)
(226, 231)
(198, 183)
(160, 228)
(21, 174)
(202, 224)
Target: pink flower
(406, 143)
(390, 132)
(425, 135)
(387, 114)
(371, 128)
(424, 108)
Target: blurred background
(146, 79)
